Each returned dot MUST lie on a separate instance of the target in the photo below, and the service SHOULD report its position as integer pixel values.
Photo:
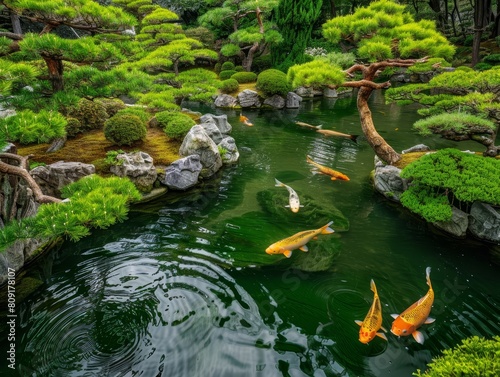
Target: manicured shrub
(73, 127)
(112, 105)
(229, 86)
(91, 115)
(137, 111)
(224, 75)
(273, 81)
(124, 129)
(227, 66)
(262, 63)
(244, 77)
(29, 127)
(239, 68)
(449, 176)
(175, 124)
(474, 357)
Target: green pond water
(185, 288)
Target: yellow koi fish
(334, 174)
(416, 315)
(297, 241)
(293, 198)
(338, 134)
(245, 120)
(373, 320)
(307, 125)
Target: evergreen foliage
(227, 66)
(175, 124)
(90, 114)
(384, 30)
(229, 86)
(316, 74)
(29, 127)
(245, 77)
(226, 74)
(95, 202)
(124, 129)
(474, 357)
(272, 81)
(460, 124)
(295, 19)
(449, 175)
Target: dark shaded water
(184, 287)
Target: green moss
(474, 357)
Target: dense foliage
(273, 81)
(475, 357)
(229, 86)
(124, 129)
(176, 125)
(94, 202)
(440, 179)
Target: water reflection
(184, 288)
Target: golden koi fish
(297, 241)
(245, 120)
(373, 320)
(307, 125)
(334, 174)
(293, 198)
(416, 315)
(338, 134)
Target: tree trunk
(55, 67)
(381, 148)
(482, 11)
(22, 172)
(16, 23)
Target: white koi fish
(293, 198)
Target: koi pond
(185, 288)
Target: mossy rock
(274, 203)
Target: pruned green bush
(457, 122)
(474, 357)
(29, 127)
(124, 129)
(112, 105)
(95, 202)
(227, 66)
(73, 127)
(91, 115)
(229, 86)
(239, 68)
(273, 81)
(175, 124)
(244, 77)
(137, 111)
(439, 179)
(224, 75)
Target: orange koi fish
(373, 320)
(327, 171)
(338, 134)
(245, 120)
(297, 241)
(416, 315)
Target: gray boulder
(212, 131)
(225, 100)
(52, 178)
(293, 100)
(249, 98)
(275, 101)
(220, 121)
(417, 148)
(330, 93)
(198, 142)
(231, 154)
(457, 226)
(484, 222)
(387, 180)
(183, 173)
(138, 167)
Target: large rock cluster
(483, 221)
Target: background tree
(295, 20)
(385, 36)
(243, 23)
(459, 105)
(84, 15)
